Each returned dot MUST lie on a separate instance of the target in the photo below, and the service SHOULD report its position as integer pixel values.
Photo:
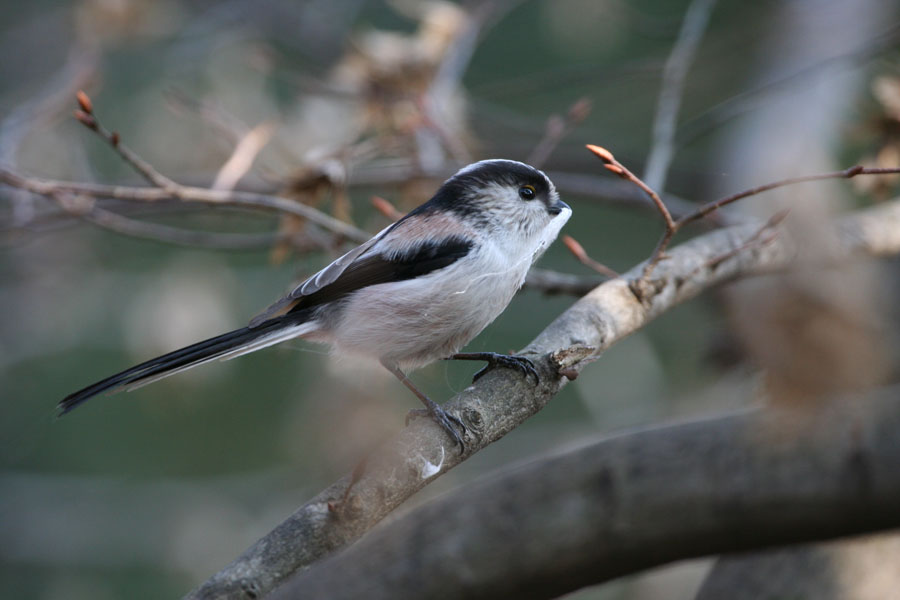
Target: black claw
(449, 423)
(455, 428)
(520, 363)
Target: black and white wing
(406, 249)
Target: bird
(416, 292)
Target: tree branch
(674, 75)
(635, 501)
(673, 226)
(187, 194)
(502, 399)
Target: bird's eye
(526, 192)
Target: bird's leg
(448, 422)
(498, 360)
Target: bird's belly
(416, 322)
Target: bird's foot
(454, 427)
(493, 359)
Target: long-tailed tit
(415, 293)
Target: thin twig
(622, 171)
(85, 116)
(557, 128)
(171, 189)
(672, 227)
(674, 75)
(386, 208)
(757, 238)
(182, 237)
(620, 193)
(845, 174)
(581, 254)
(245, 152)
(226, 124)
(187, 194)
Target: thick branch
(502, 400)
(632, 502)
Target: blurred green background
(146, 494)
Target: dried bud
(84, 102)
(85, 119)
(114, 139)
(602, 153)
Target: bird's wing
(402, 251)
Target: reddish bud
(84, 102)
(602, 153)
(85, 119)
(114, 139)
(615, 169)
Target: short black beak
(557, 207)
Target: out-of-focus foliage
(145, 494)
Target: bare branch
(765, 235)
(85, 115)
(674, 75)
(581, 254)
(635, 501)
(384, 206)
(845, 174)
(614, 166)
(557, 128)
(187, 194)
(621, 193)
(241, 159)
(502, 399)
(673, 227)
(183, 237)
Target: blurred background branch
(633, 501)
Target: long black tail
(227, 345)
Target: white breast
(415, 322)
